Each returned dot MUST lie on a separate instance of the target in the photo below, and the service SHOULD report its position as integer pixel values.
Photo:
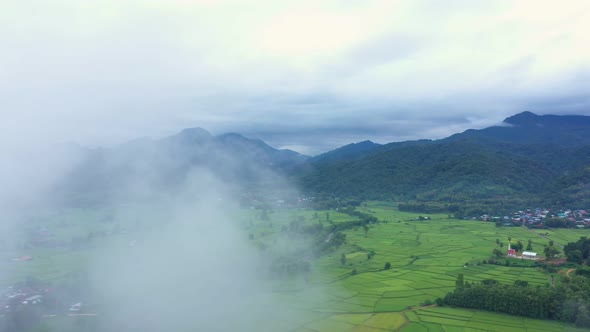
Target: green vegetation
(579, 251)
(381, 279)
(541, 160)
(567, 302)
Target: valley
(348, 288)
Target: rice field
(425, 256)
(434, 319)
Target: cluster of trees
(364, 217)
(330, 202)
(289, 266)
(323, 239)
(569, 301)
(428, 207)
(551, 251)
(559, 223)
(579, 251)
(320, 238)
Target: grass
(425, 256)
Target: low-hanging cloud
(150, 68)
(171, 251)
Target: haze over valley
(310, 166)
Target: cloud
(138, 68)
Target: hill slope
(520, 159)
(144, 166)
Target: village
(541, 218)
(23, 304)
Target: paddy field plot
(426, 256)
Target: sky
(310, 75)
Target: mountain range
(528, 157)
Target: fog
(154, 241)
(194, 270)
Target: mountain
(526, 158)
(520, 159)
(145, 165)
(529, 128)
(348, 152)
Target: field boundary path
(545, 237)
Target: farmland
(426, 257)
(347, 289)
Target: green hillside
(530, 157)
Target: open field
(434, 319)
(425, 256)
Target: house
(33, 299)
(529, 255)
(511, 252)
(23, 258)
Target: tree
(343, 259)
(501, 244)
(366, 228)
(583, 271)
(387, 266)
(497, 242)
(460, 282)
(489, 282)
(551, 252)
(575, 256)
(518, 247)
(496, 252)
(529, 246)
(583, 318)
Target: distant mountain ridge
(347, 152)
(529, 128)
(521, 158)
(527, 157)
(167, 163)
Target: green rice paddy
(425, 256)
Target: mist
(155, 240)
(193, 270)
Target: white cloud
(106, 71)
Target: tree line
(579, 251)
(569, 301)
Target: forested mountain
(348, 152)
(146, 165)
(527, 157)
(527, 128)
